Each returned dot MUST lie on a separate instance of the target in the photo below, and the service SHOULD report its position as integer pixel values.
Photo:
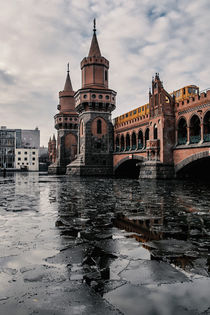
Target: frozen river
(103, 246)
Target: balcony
(195, 139)
(206, 137)
(182, 141)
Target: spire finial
(68, 67)
(94, 26)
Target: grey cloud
(6, 78)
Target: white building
(26, 158)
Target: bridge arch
(206, 126)
(194, 159)
(127, 167)
(195, 129)
(140, 139)
(182, 130)
(146, 136)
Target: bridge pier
(156, 170)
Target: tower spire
(68, 86)
(94, 47)
(94, 26)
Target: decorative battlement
(194, 101)
(94, 60)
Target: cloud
(139, 38)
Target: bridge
(171, 140)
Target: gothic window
(99, 129)
(155, 132)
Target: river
(103, 246)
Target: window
(33, 153)
(107, 97)
(134, 112)
(25, 152)
(100, 96)
(33, 159)
(25, 159)
(99, 126)
(19, 152)
(106, 75)
(18, 164)
(19, 159)
(93, 96)
(126, 115)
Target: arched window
(127, 142)
(182, 131)
(99, 130)
(146, 136)
(122, 143)
(195, 129)
(155, 132)
(206, 126)
(140, 140)
(133, 139)
(117, 144)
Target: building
(161, 139)
(26, 138)
(24, 141)
(7, 147)
(27, 159)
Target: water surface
(103, 246)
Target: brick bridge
(167, 141)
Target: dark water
(103, 246)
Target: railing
(127, 148)
(195, 139)
(140, 146)
(182, 140)
(134, 147)
(206, 137)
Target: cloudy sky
(139, 37)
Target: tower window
(93, 96)
(106, 75)
(98, 126)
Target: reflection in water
(167, 218)
(63, 239)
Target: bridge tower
(162, 133)
(94, 103)
(66, 123)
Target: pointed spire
(94, 47)
(68, 86)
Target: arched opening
(195, 129)
(198, 169)
(117, 144)
(133, 139)
(146, 136)
(155, 132)
(128, 169)
(182, 131)
(99, 129)
(206, 127)
(127, 142)
(122, 143)
(140, 140)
